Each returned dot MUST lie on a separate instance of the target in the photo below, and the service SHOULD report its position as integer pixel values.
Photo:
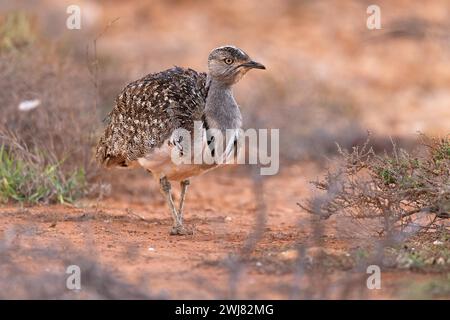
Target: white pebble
(28, 105)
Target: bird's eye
(228, 60)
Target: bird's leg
(178, 228)
(184, 185)
(165, 189)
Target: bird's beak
(253, 64)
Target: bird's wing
(147, 112)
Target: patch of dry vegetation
(403, 191)
(46, 151)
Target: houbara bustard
(144, 123)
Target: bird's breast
(178, 160)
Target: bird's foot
(181, 230)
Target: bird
(142, 127)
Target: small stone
(289, 254)
(228, 219)
(28, 105)
(438, 243)
(440, 261)
(151, 249)
(258, 264)
(429, 261)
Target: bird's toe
(181, 231)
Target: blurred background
(329, 79)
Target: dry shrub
(399, 189)
(64, 122)
(60, 130)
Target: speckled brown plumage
(142, 127)
(148, 110)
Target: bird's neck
(221, 110)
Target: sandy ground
(127, 234)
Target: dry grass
(46, 151)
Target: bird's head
(228, 64)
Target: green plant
(24, 180)
(438, 288)
(16, 31)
